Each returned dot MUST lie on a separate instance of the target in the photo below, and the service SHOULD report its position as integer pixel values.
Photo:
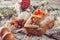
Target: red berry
(20, 23)
(38, 12)
(25, 4)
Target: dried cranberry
(20, 23)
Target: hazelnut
(3, 31)
(9, 36)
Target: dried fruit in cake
(31, 31)
(33, 21)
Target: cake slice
(39, 24)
